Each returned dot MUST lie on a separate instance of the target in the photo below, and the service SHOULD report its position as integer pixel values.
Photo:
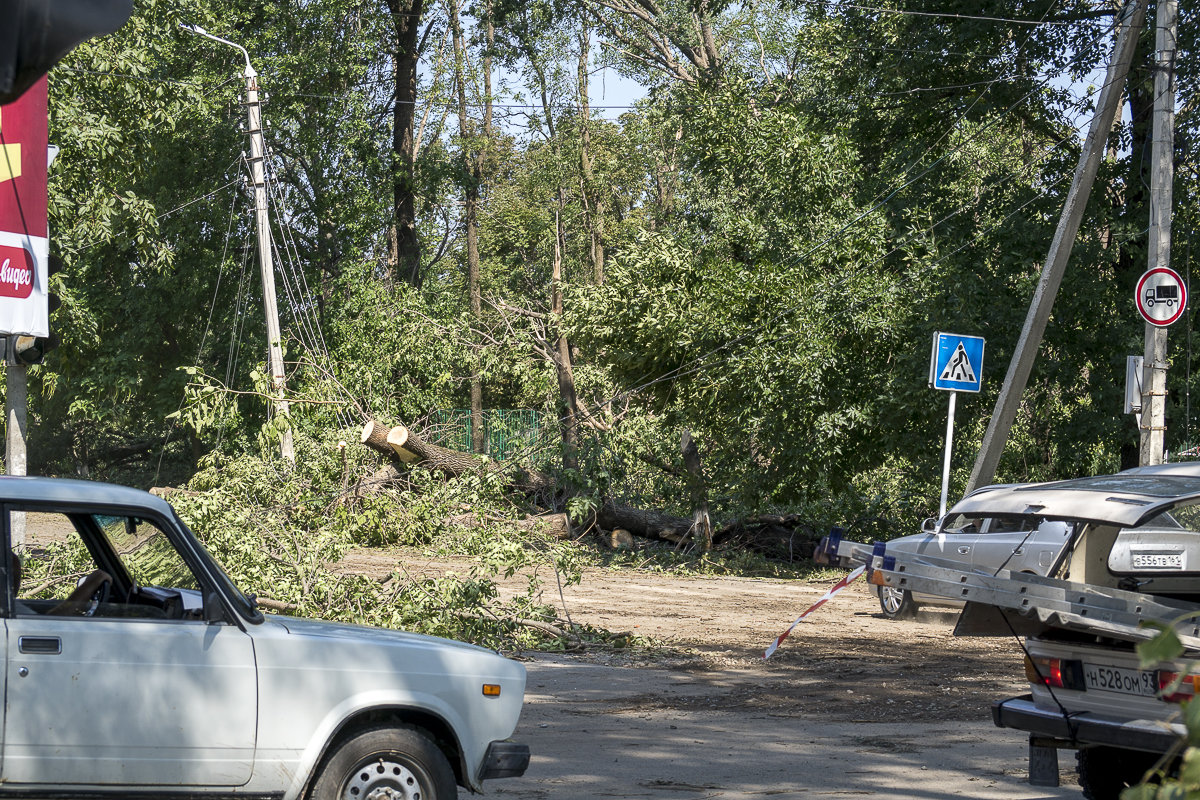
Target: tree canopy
(757, 251)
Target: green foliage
(784, 228)
(1163, 782)
(280, 532)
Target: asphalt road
(601, 732)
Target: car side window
(1011, 524)
(961, 523)
(140, 574)
(46, 568)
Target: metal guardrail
(1049, 602)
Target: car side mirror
(929, 525)
(214, 609)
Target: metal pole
(949, 449)
(1025, 354)
(15, 432)
(265, 259)
(1162, 151)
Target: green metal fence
(507, 432)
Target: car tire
(403, 759)
(897, 603)
(1105, 771)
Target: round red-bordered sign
(1161, 296)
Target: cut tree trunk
(401, 443)
(432, 456)
(649, 524)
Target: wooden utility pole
(266, 261)
(1162, 174)
(996, 436)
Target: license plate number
(1124, 681)
(1158, 560)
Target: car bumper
(1085, 727)
(505, 759)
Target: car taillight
(1174, 687)
(1057, 673)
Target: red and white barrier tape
(854, 575)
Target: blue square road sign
(957, 362)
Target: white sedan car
(979, 543)
(135, 667)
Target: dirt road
(852, 704)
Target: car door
(954, 540)
(134, 689)
(1019, 544)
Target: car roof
(1126, 499)
(68, 491)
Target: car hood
(1126, 499)
(363, 634)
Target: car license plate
(1158, 560)
(1124, 681)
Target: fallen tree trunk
(401, 443)
(650, 524)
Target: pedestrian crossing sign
(957, 362)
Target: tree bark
(472, 176)
(650, 524)
(405, 247)
(701, 524)
(593, 204)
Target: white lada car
(134, 667)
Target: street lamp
(265, 261)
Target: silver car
(980, 543)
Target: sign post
(956, 365)
(1161, 297)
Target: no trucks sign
(1161, 296)
(24, 244)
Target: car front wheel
(896, 603)
(393, 763)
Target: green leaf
(1163, 647)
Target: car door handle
(1018, 551)
(42, 645)
(964, 550)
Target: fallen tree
(403, 446)
(782, 537)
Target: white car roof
(68, 491)
(1125, 499)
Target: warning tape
(854, 575)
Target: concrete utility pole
(15, 462)
(1152, 420)
(265, 260)
(1000, 425)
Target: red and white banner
(24, 244)
(833, 590)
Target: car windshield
(245, 605)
